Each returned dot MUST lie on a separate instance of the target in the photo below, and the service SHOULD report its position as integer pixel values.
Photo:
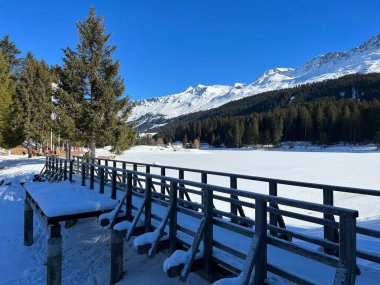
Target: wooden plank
(194, 250)
(135, 220)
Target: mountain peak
(362, 59)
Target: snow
(86, 245)
(156, 111)
(65, 198)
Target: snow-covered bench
(55, 203)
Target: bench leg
(116, 256)
(54, 256)
(28, 224)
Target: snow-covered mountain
(153, 112)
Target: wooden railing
(327, 196)
(208, 204)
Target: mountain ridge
(157, 111)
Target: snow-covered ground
(86, 245)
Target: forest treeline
(82, 100)
(323, 122)
(356, 86)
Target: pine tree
(32, 116)
(6, 92)
(10, 53)
(93, 90)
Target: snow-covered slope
(155, 111)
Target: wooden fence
(200, 201)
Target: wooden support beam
(117, 256)
(148, 205)
(208, 238)
(28, 224)
(54, 255)
(173, 217)
(261, 234)
(347, 245)
(128, 201)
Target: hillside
(154, 112)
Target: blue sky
(166, 46)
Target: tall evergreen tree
(93, 89)
(32, 115)
(6, 92)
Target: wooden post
(53, 165)
(234, 207)
(47, 164)
(148, 205)
(92, 172)
(261, 233)
(83, 174)
(328, 232)
(113, 194)
(124, 173)
(101, 180)
(181, 175)
(163, 181)
(54, 255)
(134, 175)
(203, 181)
(106, 171)
(173, 217)
(28, 224)
(65, 170)
(116, 256)
(347, 245)
(272, 216)
(128, 202)
(208, 238)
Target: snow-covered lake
(86, 245)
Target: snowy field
(86, 245)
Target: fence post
(148, 205)
(101, 180)
(163, 181)
(106, 171)
(92, 172)
(208, 207)
(173, 217)
(181, 175)
(261, 233)
(53, 165)
(234, 208)
(128, 202)
(83, 174)
(134, 175)
(113, 193)
(60, 168)
(117, 255)
(328, 232)
(65, 170)
(71, 170)
(203, 181)
(272, 216)
(347, 244)
(124, 173)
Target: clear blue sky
(166, 46)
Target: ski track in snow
(86, 246)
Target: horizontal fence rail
(327, 195)
(339, 236)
